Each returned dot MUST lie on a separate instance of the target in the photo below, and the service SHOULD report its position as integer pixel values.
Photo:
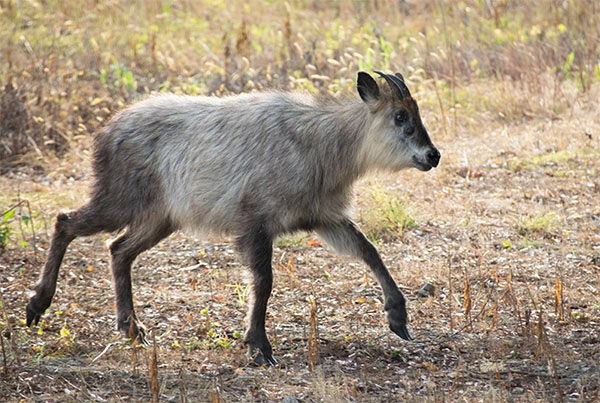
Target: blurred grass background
(67, 66)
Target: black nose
(433, 157)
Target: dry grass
(67, 68)
(507, 229)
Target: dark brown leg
(256, 247)
(347, 238)
(68, 227)
(123, 252)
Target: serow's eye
(400, 118)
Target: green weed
(118, 77)
(526, 242)
(5, 228)
(17, 223)
(549, 160)
(242, 291)
(214, 337)
(385, 216)
(296, 240)
(540, 224)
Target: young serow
(253, 166)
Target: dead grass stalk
(313, 335)
(153, 370)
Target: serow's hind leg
(256, 247)
(123, 251)
(67, 228)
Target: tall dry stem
(134, 348)
(544, 349)
(539, 351)
(153, 370)
(313, 336)
(450, 50)
(559, 303)
(467, 300)
(450, 291)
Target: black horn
(397, 83)
(402, 84)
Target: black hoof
(260, 358)
(134, 331)
(401, 331)
(35, 311)
(140, 338)
(33, 317)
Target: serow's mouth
(421, 165)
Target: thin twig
(108, 346)
(4, 359)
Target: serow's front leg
(345, 237)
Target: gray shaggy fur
(252, 166)
(292, 161)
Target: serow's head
(397, 138)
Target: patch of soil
(513, 316)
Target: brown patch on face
(388, 96)
(411, 106)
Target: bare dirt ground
(508, 233)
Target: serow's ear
(367, 88)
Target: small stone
(518, 391)
(427, 290)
